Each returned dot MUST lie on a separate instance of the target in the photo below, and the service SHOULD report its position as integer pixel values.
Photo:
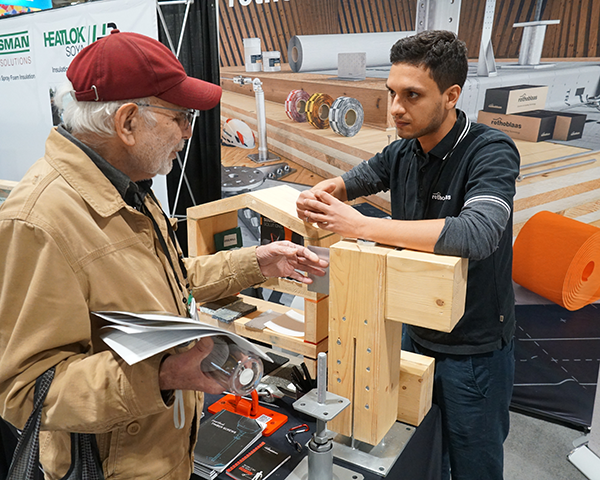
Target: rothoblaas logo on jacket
(11, 43)
(440, 197)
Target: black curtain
(200, 58)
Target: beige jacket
(70, 245)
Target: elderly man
(84, 232)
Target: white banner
(35, 52)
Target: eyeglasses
(188, 113)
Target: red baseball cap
(126, 65)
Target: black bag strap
(85, 459)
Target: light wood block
(416, 387)
(364, 349)
(314, 310)
(426, 290)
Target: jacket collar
(449, 143)
(83, 175)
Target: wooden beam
(425, 290)
(364, 349)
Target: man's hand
(182, 371)
(331, 214)
(334, 186)
(282, 259)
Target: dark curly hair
(440, 51)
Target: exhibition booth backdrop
(35, 52)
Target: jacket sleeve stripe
(489, 198)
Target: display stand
(532, 43)
(176, 51)
(422, 288)
(279, 205)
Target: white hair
(93, 117)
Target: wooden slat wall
(578, 34)
(275, 23)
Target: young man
(452, 184)
(83, 232)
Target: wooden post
(364, 349)
(373, 289)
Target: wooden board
(425, 290)
(293, 344)
(278, 204)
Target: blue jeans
(473, 393)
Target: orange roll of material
(559, 259)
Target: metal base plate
(310, 406)
(339, 473)
(240, 179)
(378, 459)
(255, 157)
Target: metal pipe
(164, 25)
(559, 159)
(184, 23)
(555, 169)
(321, 377)
(261, 120)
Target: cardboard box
(515, 99)
(520, 127)
(569, 126)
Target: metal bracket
(378, 459)
(438, 15)
(325, 411)
(486, 66)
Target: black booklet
(258, 464)
(222, 438)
